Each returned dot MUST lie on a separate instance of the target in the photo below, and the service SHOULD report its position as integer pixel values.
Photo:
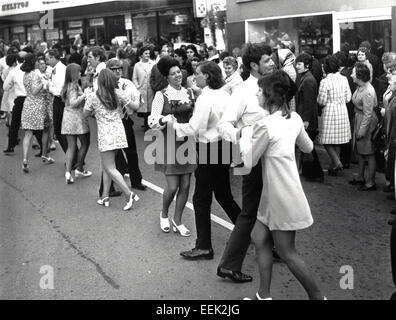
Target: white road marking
(189, 205)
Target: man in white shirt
(14, 81)
(96, 59)
(55, 86)
(244, 110)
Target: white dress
(283, 205)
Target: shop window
(311, 34)
(378, 33)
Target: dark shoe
(235, 276)
(388, 188)
(365, 188)
(393, 211)
(334, 171)
(38, 155)
(9, 151)
(392, 222)
(317, 179)
(197, 254)
(113, 194)
(139, 187)
(391, 196)
(356, 182)
(275, 256)
(36, 147)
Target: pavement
(104, 253)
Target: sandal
(164, 223)
(184, 232)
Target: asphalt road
(103, 253)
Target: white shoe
(47, 160)
(184, 232)
(132, 197)
(258, 298)
(69, 178)
(126, 175)
(104, 202)
(164, 224)
(82, 174)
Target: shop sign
(36, 27)
(75, 24)
(52, 34)
(74, 32)
(128, 21)
(181, 19)
(96, 22)
(200, 8)
(18, 30)
(14, 5)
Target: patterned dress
(111, 132)
(180, 103)
(34, 110)
(334, 93)
(74, 122)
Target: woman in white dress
(141, 79)
(283, 209)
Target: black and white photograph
(198, 154)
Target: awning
(13, 7)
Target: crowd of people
(259, 109)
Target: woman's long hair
(215, 77)
(276, 89)
(107, 83)
(71, 77)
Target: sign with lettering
(75, 24)
(18, 29)
(128, 21)
(14, 5)
(96, 22)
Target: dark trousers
(311, 167)
(131, 153)
(209, 179)
(58, 107)
(238, 244)
(15, 122)
(393, 252)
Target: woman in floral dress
(34, 111)
(106, 105)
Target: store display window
(309, 33)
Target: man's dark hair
(54, 53)
(98, 52)
(306, 59)
(181, 53)
(212, 70)
(253, 53)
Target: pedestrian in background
(141, 79)
(334, 94)
(364, 100)
(307, 108)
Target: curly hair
(165, 64)
(253, 53)
(362, 72)
(331, 64)
(30, 63)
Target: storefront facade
(319, 27)
(98, 22)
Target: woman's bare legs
(172, 185)
(182, 196)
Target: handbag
(378, 135)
